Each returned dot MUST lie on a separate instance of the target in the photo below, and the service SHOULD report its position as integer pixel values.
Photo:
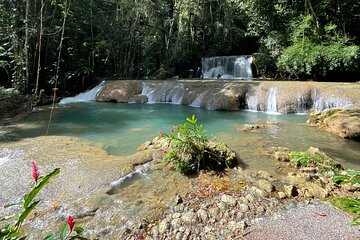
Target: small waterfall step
(87, 96)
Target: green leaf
(29, 197)
(338, 178)
(78, 229)
(50, 236)
(25, 213)
(64, 232)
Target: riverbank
(141, 197)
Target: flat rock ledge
(344, 123)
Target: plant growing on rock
(190, 149)
(313, 157)
(350, 177)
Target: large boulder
(344, 123)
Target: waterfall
(89, 95)
(228, 67)
(271, 101)
(167, 92)
(198, 100)
(323, 103)
(300, 104)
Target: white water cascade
(89, 95)
(140, 171)
(164, 93)
(326, 102)
(271, 101)
(228, 67)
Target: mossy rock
(344, 123)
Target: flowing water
(121, 128)
(228, 67)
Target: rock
(251, 199)
(214, 212)
(244, 207)
(138, 99)
(189, 218)
(12, 106)
(264, 174)
(344, 123)
(202, 215)
(266, 186)
(229, 200)
(176, 223)
(253, 127)
(178, 200)
(281, 156)
(272, 150)
(164, 226)
(281, 195)
(291, 191)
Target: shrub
(190, 149)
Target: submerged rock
(344, 123)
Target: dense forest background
(73, 43)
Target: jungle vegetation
(74, 43)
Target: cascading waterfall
(168, 92)
(323, 103)
(271, 101)
(300, 104)
(85, 96)
(228, 67)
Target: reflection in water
(121, 128)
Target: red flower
(35, 171)
(161, 133)
(172, 130)
(71, 223)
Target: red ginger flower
(161, 133)
(172, 130)
(35, 171)
(71, 223)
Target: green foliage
(314, 52)
(349, 205)
(350, 177)
(304, 159)
(187, 146)
(190, 149)
(12, 231)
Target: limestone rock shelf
(274, 96)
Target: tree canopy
(73, 43)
